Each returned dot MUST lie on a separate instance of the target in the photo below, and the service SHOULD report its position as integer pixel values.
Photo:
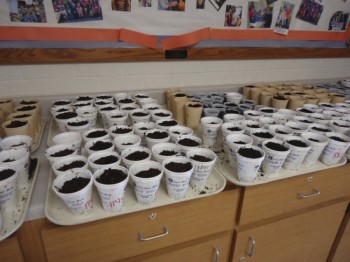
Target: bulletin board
(53, 31)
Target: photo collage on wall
(284, 18)
(28, 11)
(260, 14)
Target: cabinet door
(216, 248)
(304, 237)
(10, 250)
(342, 254)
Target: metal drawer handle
(217, 254)
(251, 247)
(315, 192)
(165, 232)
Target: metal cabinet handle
(217, 253)
(251, 247)
(165, 232)
(315, 192)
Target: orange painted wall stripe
(186, 39)
(58, 34)
(138, 38)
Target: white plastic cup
(59, 164)
(162, 151)
(321, 118)
(297, 127)
(340, 126)
(89, 113)
(251, 125)
(247, 168)
(166, 123)
(151, 107)
(177, 182)
(95, 133)
(51, 152)
(233, 146)
(104, 111)
(61, 122)
(161, 114)
(201, 169)
(334, 150)
(230, 128)
(234, 97)
(126, 129)
(145, 188)
(107, 143)
(8, 188)
(116, 117)
(126, 141)
(111, 195)
(79, 202)
(141, 128)
(128, 152)
(144, 116)
(211, 112)
(95, 159)
(253, 114)
(181, 142)
(320, 128)
(268, 120)
(258, 140)
(151, 141)
(70, 138)
(71, 127)
(16, 141)
(316, 147)
(235, 118)
(281, 131)
(210, 131)
(274, 159)
(297, 154)
(177, 131)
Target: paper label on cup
(200, 175)
(177, 187)
(112, 200)
(247, 172)
(146, 193)
(7, 192)
(209, 137)
(272, 164)
(79, 205)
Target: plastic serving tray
(36, 143)
(230, 174)
(14, 219)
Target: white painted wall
(65, 79)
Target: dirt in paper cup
(234, 142)
(8, 187)
(275, 155)
(318, 143)
(335, 149)
(298, 150)
(249, 159)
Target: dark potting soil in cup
(212, 123)
(141, 96)
(280, 132)
(267, 110)
(240, 142)
(100, 145)
(60, 110)
(295, 128)
(140, 114)
(251, 114)
(188, 142)
(84, 98)
(33, 163)
(98, 133)
(4, 102)
(200, 158)
(263, 134)
(127, 144)
(306, 121)
(253, 126)
(101, 103)
(144, 128)
(106, 160)
(74, 164)
(304, 110)
(176, 132)
(6, 173)
(20, 144)
(327, 105)
(153, 108)
(78, 123)
(121, 130)
(152, 172)
(136, 156)
(116, 116)
(168, 123)
(234, 128)
(108, 108)
(178, 167)
(129, 108)
(280, 98)
(61, 103)
(66, 115)
(74, 185)
(337, 139)
(297, 143)
(24, 102)
(103, 97)
(158, 135)
(180, 95)
(320, 129)
(314, 140)
(168, 153)
(160, 114)
(194, 105)
(22, 116)
(338, 95)
(81, 105)
(276, 146)
(340, 125)
(126, 101)
(26, 108)
(249, 152)
(14, 124)
(64, 152)
(8, 160)
(111, 176)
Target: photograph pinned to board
(172, 5)
(284, 17)
(217, 3)
(121, 5)
(200, 4)
(233, 16)
(339, 21)
(77, 11)
(28, 11)
(145, 3)
(309, 11)
(260, 14)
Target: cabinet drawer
(10, 250)
(118, 237)
(280, 197)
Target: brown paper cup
(31, 109)
(247, 91)
(295, 102)
(255, 94)
(337, 98)
(278, 103)
(25, 117)
(6, 105)
(193, 114)
(169, 97)
(266, 98)
(12, 131)
(310, 99)
(179, 101)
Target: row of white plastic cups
(112, 196)
(328, 150)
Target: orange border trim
(138, 38)
(186, 39)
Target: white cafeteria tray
(14, 219)
(58, 213)
(230, 174)
(37, 141)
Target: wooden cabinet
(294, 219)
(10, 249)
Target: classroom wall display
(225, 19)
